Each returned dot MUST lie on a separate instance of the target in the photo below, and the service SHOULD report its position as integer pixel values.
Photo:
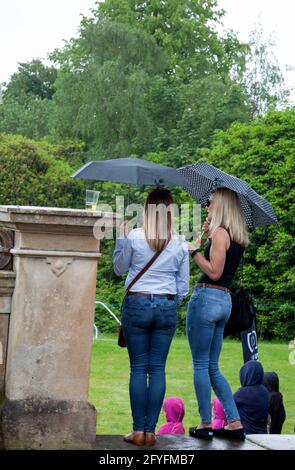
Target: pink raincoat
(174, 411)
(219, 415)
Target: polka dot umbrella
(202, 179)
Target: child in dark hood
(252, 399)
(276, 407)
(174, 411)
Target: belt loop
(152, 297)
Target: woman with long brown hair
(149, 313)
(210, 307)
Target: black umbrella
(202, 179)
(130, 170)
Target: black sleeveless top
(233, 257)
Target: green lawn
(110, 375)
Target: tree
(26, 106)
(263, 78)
(30, 118)
(33, 79)
(102, 88)
(185, 29)
(210, 104)
(129, 82)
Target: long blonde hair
(227, 213)
(158, 218)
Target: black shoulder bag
(242, 312)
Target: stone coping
(60, 211)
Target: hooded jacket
(219, 415)
(276, 407)
(174, 410)
(252, 399)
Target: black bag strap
(242, 272)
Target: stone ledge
(39, 210)
(273, 441)
(173, 442)
(253, 442)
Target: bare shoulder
(220, 236)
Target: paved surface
(253, 442)
(273, 441)
(115, 442)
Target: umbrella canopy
(130, 170)
(202, 179)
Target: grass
(110, 376)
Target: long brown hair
(158, 218)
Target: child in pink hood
(174, 411)
(219, 415)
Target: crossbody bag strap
(141, 273)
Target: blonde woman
(149, 313)
(210, 306)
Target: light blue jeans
(149, 323)
(208, 312)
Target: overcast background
(31, 29)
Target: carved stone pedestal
(50, 336)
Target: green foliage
(141, 76)
(102, 87)
(26, 106)
(185, 29)
(32, 78)
(262, 153)
(30, 118)
(209, 104)
(144, 77)
(32, 175)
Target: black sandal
(203, 433)
(238, 434)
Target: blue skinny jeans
(208, 312)
(149, 323)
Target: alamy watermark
(185, 219)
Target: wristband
(193, 253)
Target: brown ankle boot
(135, 437)
(150, 439)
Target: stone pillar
(7, 280)
(50, 335)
